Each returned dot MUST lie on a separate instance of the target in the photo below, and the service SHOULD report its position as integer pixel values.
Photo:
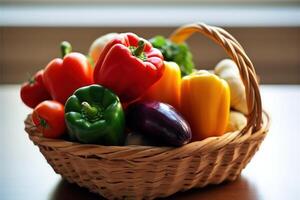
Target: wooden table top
(273, 173)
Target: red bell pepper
(33, 91)
(128, 65)
(63, 76)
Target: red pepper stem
(89, 110)
(65, 48)
(140, 48)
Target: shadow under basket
(146, 172)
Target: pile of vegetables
(131, 91)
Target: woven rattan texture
(136, 172)
(145, 172)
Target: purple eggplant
(158, 121)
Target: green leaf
(158, 41)
(179, 53)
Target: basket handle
(238, 55)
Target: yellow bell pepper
(205, 103)
(167, 88)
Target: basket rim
(145, 153)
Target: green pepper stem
(89, 110)
(140, 48)
(65, 48)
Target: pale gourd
(228, 70)
(98, 45)
(237, 121)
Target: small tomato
(34, 91)
(49, 118)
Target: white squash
(237, 121)
(98, 45)
(228, 70)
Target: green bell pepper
(94, 115)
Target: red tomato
(34, 91)
(49, 118)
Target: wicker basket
(144, 172)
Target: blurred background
(31, 31)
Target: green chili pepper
(94, 115)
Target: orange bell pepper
(205, 103)
(167, 88)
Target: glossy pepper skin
(205, 103)
(94, 115)
(63, 76)
(128, 65)
(167, 88)
(34, 91)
